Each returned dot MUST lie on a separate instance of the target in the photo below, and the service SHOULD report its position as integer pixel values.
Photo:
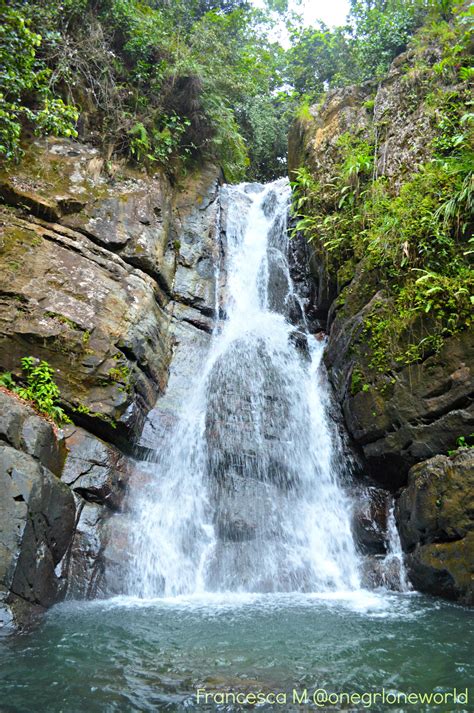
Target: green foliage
(357, 382)
(463, 442)
(318, 58)
(168, 83)
(25, 94)
(331, 210)
(82, 408)
(417, 241)
(120, 373)
(382, 30)
(41, 389)
(376, 32)
(7, 380)
(161, 143)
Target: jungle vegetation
(170, 83)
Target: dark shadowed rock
(370, 521)
(36, 525)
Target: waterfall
(246, 493)
(393, 569)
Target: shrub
(25, 94)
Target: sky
(331, 12)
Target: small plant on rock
(41, 389)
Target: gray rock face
(370, 521)
(419, 412)
(37, 511)
(92, 260)
(24, 430)
(195, 232)
(97, 474)
(435, 514)
(57, 536)
(48, 528)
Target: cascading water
(246, 493)
(393, 567)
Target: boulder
(23, 429)
(369, 523)
(435, 516)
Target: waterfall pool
(126, 654)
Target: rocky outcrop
(59, 491)
(37, 511)
(417, 411)
(435, 515)
(93, 255)
(98, 475)
(103, 264)
(412, 412)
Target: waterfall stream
(246, 494)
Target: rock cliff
(101, 264)
(403, 415)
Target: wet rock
(195, 231)
(84, 567)
(444, 569)
(95, 470)
(232, 411)
(299, 258)
(36, 526)
(370, 521)
(381, 571)
(98, 475)
(36, 511)
(270, 203)
(300, 340)
(24, 430)
(435, 514)
(190, 335)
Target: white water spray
(246, 495)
